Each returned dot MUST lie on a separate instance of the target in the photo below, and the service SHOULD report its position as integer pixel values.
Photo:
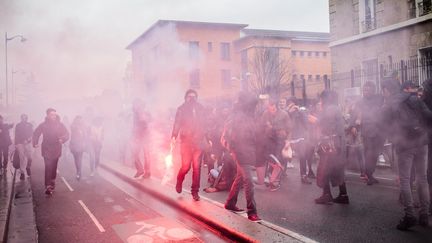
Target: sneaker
(178, 187)
(324, 199)
(274, 187)
(406, 222)
(92, 174)
(78, 177)
(305, 180)
(138, 175)
(28, 171)
(195, 196)
(341, 199)
(311, 175)
(49, 190)
(290, 165)
(146, 175)
(22, 176)
(254, 218)
(424, 220)
(235, 209)
(372, 180)
(363, 176)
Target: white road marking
(95, 221)
(67, 184)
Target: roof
(190, 23)
(294, 35)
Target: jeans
(373, 146)
(406, 159)
(139, 145)
(24, 152)
(190, 155)
(306, 156)
(78, 161)
(4, 156)
(358, 152)
(50, 171)
(243, 177)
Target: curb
(9, 209)
(226, 231)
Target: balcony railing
(424, 7)
(369, 24)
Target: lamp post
(6, 63)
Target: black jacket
(54, 135)
(406, 119)
(368, 110)
(23, 133)
(5, 139)
(190, 124)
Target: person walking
(140, 139)
(77, 143)
(54, 135)
(239, 137)
(406, 118)
(190, 125)
(96, 137)
(23, 138)
(5, 142)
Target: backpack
(15, 159)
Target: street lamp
(6, 63)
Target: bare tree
(271, 72)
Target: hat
(408, 84)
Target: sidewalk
(235, 227)
(17, 216)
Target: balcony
(368, 24)
(424, 8)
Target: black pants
(306, 156)
(373, 146)
(4, 156)
(243, 177)
(50, 171)
(429, 161)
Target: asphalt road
(105, 209)
(371, 216)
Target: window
(317, 53)
(193, 49)
(301, 53)
(194, 78)
(244, 60)
(317, 77)
(293, 53)
(225, 51)
(210, 47)
(226, 78)
(324, 54)
(367, 10)
(309, 77)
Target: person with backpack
(406, 117)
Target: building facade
(374, 39)
(218, 59)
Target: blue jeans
(406, 160)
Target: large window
(367, 10)
(225, 51)
(226, 78)
(193, 49)
(194, 78)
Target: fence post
(380, 76)
(292, 89)
(352, 78)
(402, 69)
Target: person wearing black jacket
(190, 126)
(366, 117)
(427, 98)
(23, 138)
(5, 142)
(239, 137)
(54, 135)
(406, 117)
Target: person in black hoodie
(54, 135)
(427, 98)
(406, 118)
(239, 137)
(5, 142)
(190, 125)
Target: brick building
(217, 59)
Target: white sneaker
(290, 165)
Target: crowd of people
(252, 143)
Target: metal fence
(415, 69)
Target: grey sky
(77, 47)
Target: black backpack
(15, 159)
